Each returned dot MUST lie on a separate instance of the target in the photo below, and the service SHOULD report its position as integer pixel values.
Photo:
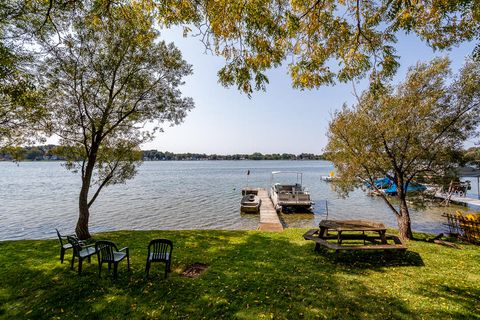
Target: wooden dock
(459, 200)
(269, 220)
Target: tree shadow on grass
(454, 294)
(374, 259)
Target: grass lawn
(250, 275)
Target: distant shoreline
(54, 153)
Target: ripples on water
(37, 197)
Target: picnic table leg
(383, 237)
(322, 232)
(339, 237)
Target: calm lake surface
(36, 197)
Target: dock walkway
(461, 200)
(269, 220)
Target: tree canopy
(402, 132)
(20, 102)
(323, 41)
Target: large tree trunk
(84, 214)
(403, 219)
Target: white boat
(327, 178)
(289, 196)
(330, 178)
(250, 203)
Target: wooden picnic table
(352, 225)
(380, 242)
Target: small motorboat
(250, 203)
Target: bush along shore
(248, 275)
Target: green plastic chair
(108, 252)
(81, 251)
(159, 250)
(63, 246)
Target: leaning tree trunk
(84, 213)
(403, 219)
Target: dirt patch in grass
(194, 270)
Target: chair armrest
(70, 235)
(124, 249)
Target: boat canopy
(299, 174)
(382, 183)
(296, 172)
(412, 187)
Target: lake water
(36, 197)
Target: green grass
(251, 275)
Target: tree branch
(309, 9)
(103, 184)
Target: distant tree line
(31, 153)
(159, 155)
(53, 152)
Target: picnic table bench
(356, 231)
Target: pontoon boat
(289, 196)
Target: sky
(280, 120)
